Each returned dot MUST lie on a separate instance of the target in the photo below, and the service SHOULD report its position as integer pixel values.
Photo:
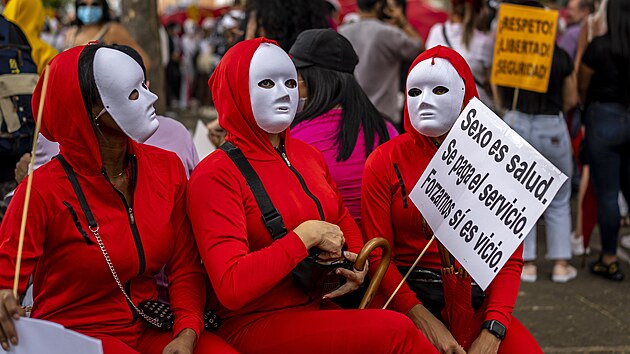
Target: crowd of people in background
(386, 42)
(324, 108)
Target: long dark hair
(328, 89)
(468, 11)
(87, 83)
(107, 17)
(283, 20)
(618, 16)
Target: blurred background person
(95, 22)
(334, 10)
(53, 33)
(577, 12)
(593, 26)
(284, 20)
(30, 17)
(464, 33)
(539, 119)
(603, 85)
(19, 77)
(586, 214)
(382, 47)
(190, 40)
(230, 30)
(173, 71)
(206, 60)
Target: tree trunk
(141, 20)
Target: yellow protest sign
(524, 47)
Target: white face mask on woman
(435, 94)
(121, 85)
(273, 88)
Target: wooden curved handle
(372, 244)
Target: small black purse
(317, 277)
(427, 284)
(160, 311)
(163, 315)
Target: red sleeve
(376, 196)
(219, 222)
(503, 290)
(186, 279)
(33, 238)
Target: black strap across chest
(78, 191)
(270, 215)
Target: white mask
(435, 94)
(117, 77)
(273, 88)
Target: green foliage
(56, 4)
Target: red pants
(153, 341)
(331, 331)
(518, 340)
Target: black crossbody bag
(313, 276)
(156, 313)
(427, 284)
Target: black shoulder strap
(78, 191)
(270, 215)
(448, 44)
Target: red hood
(230, 91)
(460, 65)
(64, 118)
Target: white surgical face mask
(435, 93)
(118, 77)
(273, 88)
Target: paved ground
(587, 315)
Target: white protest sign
(484, 190)
(39, 336)
(201, 141)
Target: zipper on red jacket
(403, 190)
(129, 209)
(302, 182)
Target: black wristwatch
(496, 328)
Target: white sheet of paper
(39, 336)
(484, 190)
(200, 139)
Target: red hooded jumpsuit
(390, 173)
(72, 284)
(264, 310)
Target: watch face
(496, 328)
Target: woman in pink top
(337, 117)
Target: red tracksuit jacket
(251, 273)
(387, 211)
(72, 284)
